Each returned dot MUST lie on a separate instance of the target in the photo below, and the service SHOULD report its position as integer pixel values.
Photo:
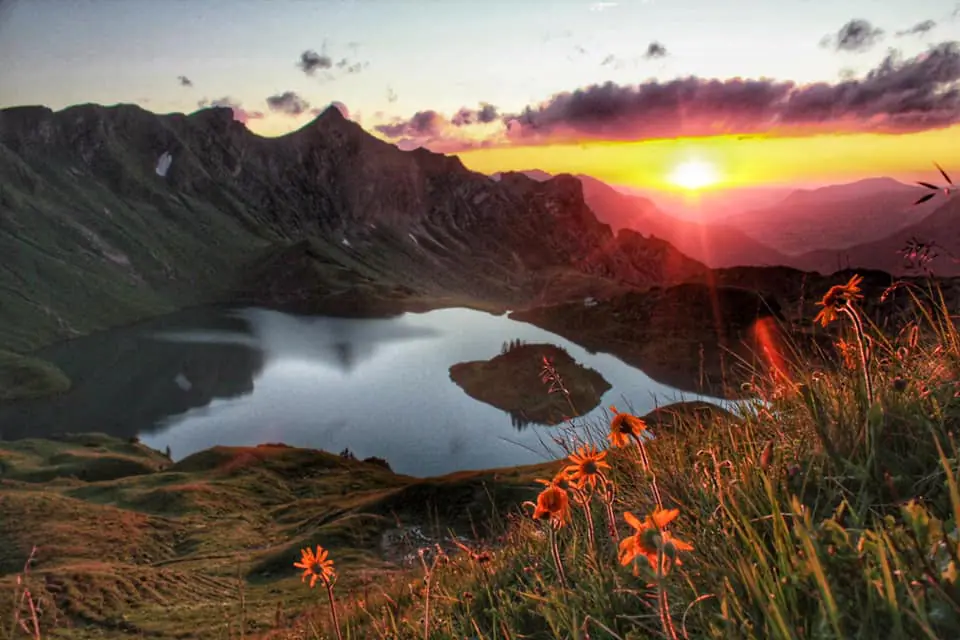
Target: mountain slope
(941, 227)
(716, 245)
(111, 214)
(834, 217)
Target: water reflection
(126, 381)
(379, 387)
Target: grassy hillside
(129, 543)
(828, 508)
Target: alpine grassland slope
(825, 507)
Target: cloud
(919, 29)
(422, 124)
(486, 114)
(347, 66)
(655, 50)
(440, 134)
(391, 95)
(310, 61)
(239, 113)
(603, 6)
(184, 81)
(895, 97)
(288, 103)
(857, 36)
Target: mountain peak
(333, 114)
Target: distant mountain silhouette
(716, 245)
(834, 217)
(941, 227)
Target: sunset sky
(763, 91)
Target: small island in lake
(514, 382)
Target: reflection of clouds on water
(380, 387)
(343, 343)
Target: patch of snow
(183, 382)
(412, 237)
(163, 164)
(346, 243)
(590, 302)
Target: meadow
(827, 508)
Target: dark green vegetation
(514, 382)
(686, 336)
(23, 377)
(708, 336)
(130, 543)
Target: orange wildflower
(561, 481)
(848, 352)
(316, 566)
(837, 298)
(553, 503)
(587, 465)
(650, 538)
(623, 427)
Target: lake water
(379, 387)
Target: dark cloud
(919, 29)
(310, 61)
(347, 66)
(184, 81)
(486, 114)
(655, 50)
(898, 96)
(610, 59)
(857, 35)
(391, 95)
(239, 113)
(288, 103)
(422, 123)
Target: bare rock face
(353, 210)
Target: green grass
(129, 542)
(812, 514)
(815, 514)
(25, 377)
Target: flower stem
(555, 549)
(663, 600)
(608, 497)
(861, 347)
(333, 609)
(585, 500)
(645, 460)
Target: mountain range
(112, 214)
(863, 224)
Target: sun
(694, 174)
